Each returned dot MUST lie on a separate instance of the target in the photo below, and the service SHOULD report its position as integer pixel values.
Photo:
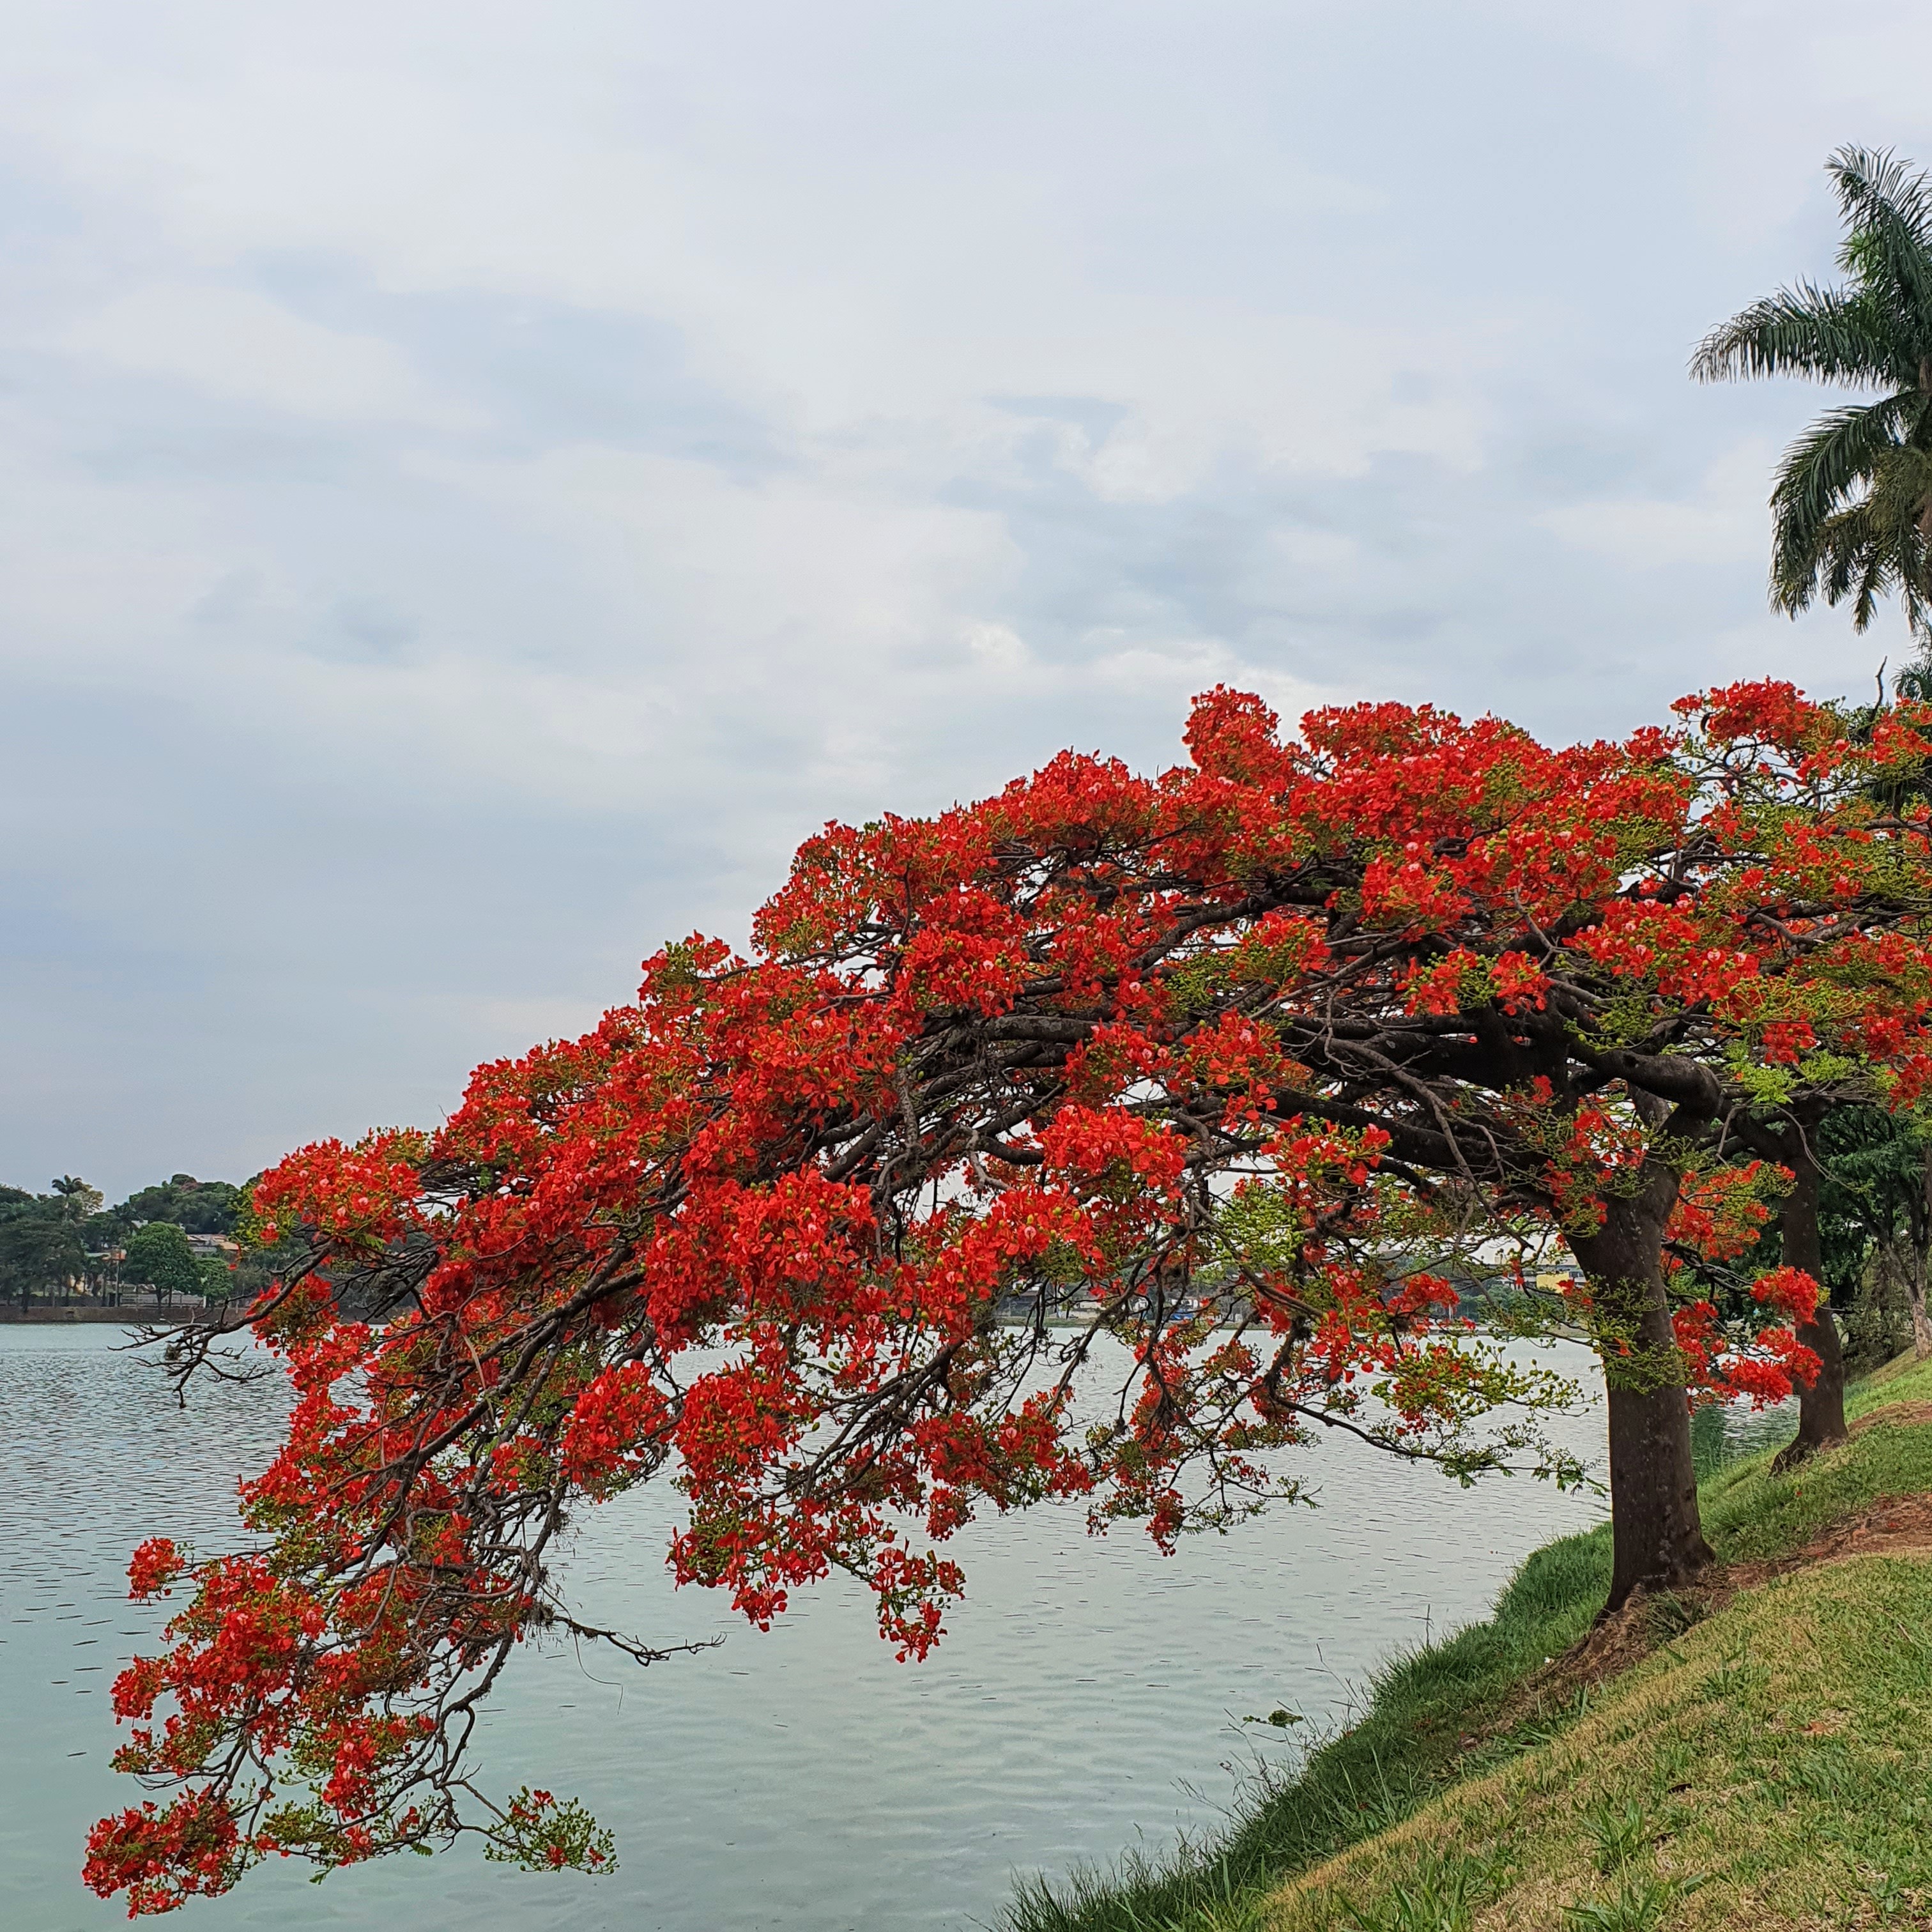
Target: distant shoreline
(62, 1318)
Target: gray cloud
(463, 520)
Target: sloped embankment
(1771, 1767)
(1757, 1754)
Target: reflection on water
(1088, 1690)
(1722, 1435)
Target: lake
(1089, 1690)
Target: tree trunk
(1915, 1277)
(1922, 1327)
(1821, 1408)
(1901, 1262)
(1925, 508)
(1657, 1538)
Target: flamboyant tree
(796, 1226)
(1211, 1062)
(1808, 872)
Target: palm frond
(1901, 504)
(1830, 334)
(1874, 580)
(1855, 564)
(1914, 680)
(1902, 487)
(1852, 505)
(1887, 210)
(1841, 451)
(1864, 552)
(1834, 558)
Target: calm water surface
(1088, 1690)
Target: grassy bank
(1482, 1786)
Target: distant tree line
(68, 1240)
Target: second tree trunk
(1821, 1408)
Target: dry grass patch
(1898, 1414)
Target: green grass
(1903, 1380)
(1407, 1752)
(1770, 1769)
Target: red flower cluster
(1716, 1369)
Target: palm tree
(1851, 509)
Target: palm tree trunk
(1925, 389)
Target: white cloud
(236, 344)
(998, 649)
(1725, 523)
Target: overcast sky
(477, 484)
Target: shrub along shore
(1755, 1751)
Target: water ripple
(1087, 1691)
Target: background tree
(79, 1200)
(205, 1207)
(196, 1207)
(1852, 506)
(1876, 1217)
(42, 1250)
(158, 1256)
(40, 1254)
(68, 1234)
